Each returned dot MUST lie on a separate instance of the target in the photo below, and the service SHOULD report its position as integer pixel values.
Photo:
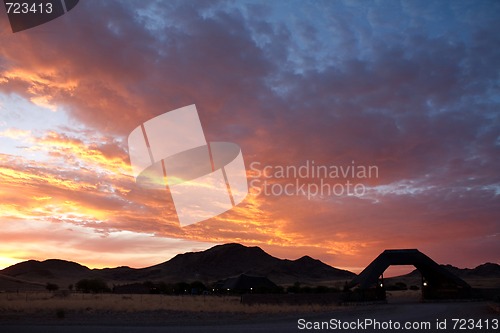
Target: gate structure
(437, 281)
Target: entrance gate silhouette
(437, 281)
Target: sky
(407, 89)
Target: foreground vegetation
(65, 301)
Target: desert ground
(48, 312)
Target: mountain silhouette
(216, 263)
(227, 260)
(50, 268)
(484, 270)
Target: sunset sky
(409, 87)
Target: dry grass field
(38, 312)
(77, 302)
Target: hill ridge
(218, 262)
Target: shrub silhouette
(92, 286)
(51, 286)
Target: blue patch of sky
(326, 33)
(332, 22)
(21, 114)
